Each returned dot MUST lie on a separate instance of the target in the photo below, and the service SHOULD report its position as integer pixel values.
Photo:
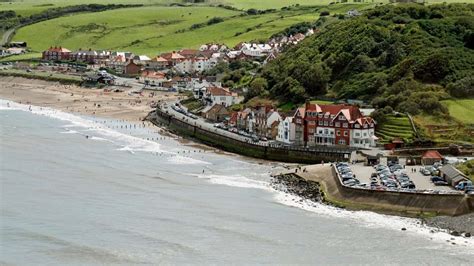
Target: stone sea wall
(291, 155)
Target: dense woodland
(405, 57)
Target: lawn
(461, 109)
(154, 29)
(395, 127)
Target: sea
(79, 190)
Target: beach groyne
(414, 204)
(282, 154)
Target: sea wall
(407, 203)
(291, 155)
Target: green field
(462, 110)
(395, 127)
(154, 29)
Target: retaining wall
(282, 154)
(409, 203)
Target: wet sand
(79, 100)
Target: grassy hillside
(395, 127)
(154, 29)
(462, 110)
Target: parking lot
(422, 182)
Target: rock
(467, 234)
(404, 229)
(455, 233)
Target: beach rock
(467, 234)
(404, 229)
(455, 233)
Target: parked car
(440, 183)
(463, 185)
(436, 178)
(425, 172)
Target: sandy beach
(79, 100)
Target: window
(345, 133)
(357, 126)
(332, 132)
(320, 123)
(326, 123)
(342, 141)
(338, 124)
(365, 126)
(331, 124)
(365, 134)
(320, 131)
(320, 115)
(344, 125)
(357, 134)
(338, 133)
(341, 117)
(325, 131)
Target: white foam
(235, 181)
(128, 142)
(182, 160)
(69, 132)
(374, 220)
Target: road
(7, 36)
(200, 122)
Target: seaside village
(344, 125)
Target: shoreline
(46, 94)
(78, 100)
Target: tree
(257, 87)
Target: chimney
(307, 104)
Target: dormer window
(357, 126)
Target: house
(131, 68)
(90, 56)
(431, 157)
(158, 62)
(217, 113)
(242, 118)
(286, 131)
(219, 95)
(333, 125)
(56, 54)
(153, 78)
(141, 59)
(233, 119)
(261, 114)
(173, 58)
(452, 175)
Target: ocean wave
(127, 141)
(182, 160)
(235, 181)
(362, 218)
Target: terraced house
(333, 125)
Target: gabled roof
(153, 75)
(218, 91)
(451, 171)
(58, 49)
(172, 56)
(432, 155)
(158, 59)
(216, 108)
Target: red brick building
(56, 54)
(333, 125)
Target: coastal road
(200, 122)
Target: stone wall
(291, 155)
(409, 203)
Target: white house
(286, 131)
(219, 95)
(363, 133)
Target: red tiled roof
(218, 91)
(58, 49)
(159, 59)
(432, 155)
(153, 75)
